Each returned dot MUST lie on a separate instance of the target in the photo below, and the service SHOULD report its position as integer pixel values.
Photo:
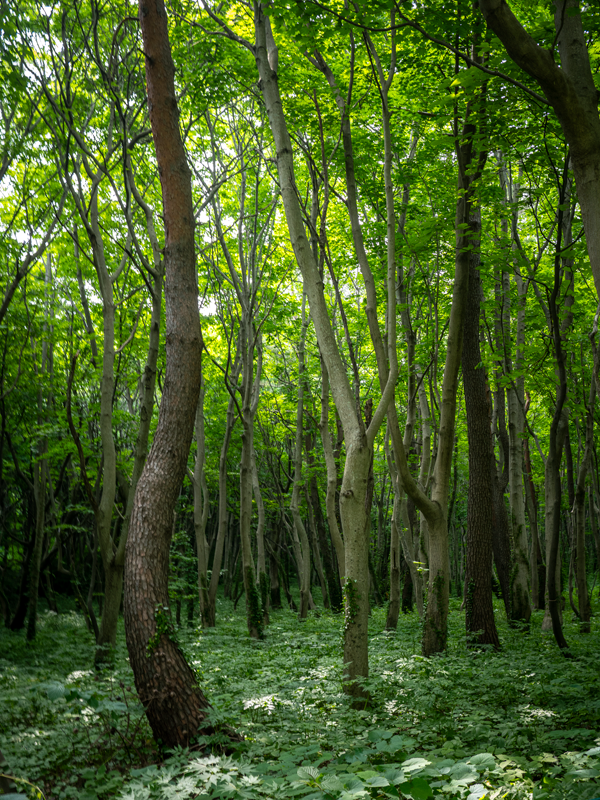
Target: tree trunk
(359, 443)
(332, 476)
(480, 622)
(579, 504)
(316, 553)
(537, 566)
(250, 397)
(40, 467)
(201, 509)
(261, 562)
(167, 687)
(300, 537)
(391, 622)
(331, 574)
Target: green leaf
(308, 773)
(483, 761)
(418, 789)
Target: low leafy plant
(520, 724)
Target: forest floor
(520, 723)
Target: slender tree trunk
(223, 521)
(300, 537)
(536, 562)
(40, 467)
(261, 562)
(579, 504)
(520, 603)
(359, 443)
(502, 540)
(391, 622)
(39, 490)
(594, 524)
(250, 397)
(331, 573)
(316, 553)
(201, 509)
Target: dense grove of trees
(394, 222)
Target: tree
(167, 687)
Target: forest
(299, 477)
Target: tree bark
(167, 687)
(479, 620)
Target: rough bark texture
(166, 685)
(480, 622)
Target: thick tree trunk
(480, 622)
(166, 685)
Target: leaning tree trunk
(167, 687)
(359, 443)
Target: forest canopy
(299, 305)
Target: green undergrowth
(521, 723)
